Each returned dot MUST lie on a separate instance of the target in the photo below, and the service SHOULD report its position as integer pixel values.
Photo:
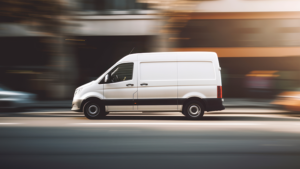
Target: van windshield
(122, 72)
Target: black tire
(94, 110)
(193, 109)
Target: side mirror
(107, 78)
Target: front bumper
(76, 105)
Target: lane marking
(170, 124)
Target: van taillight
(219, 92)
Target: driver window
(121, 72)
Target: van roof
(137, 56)
(146, 53)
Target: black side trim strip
(118, 102)
(211, 104)
(157, 102)
(122, 102)
(181, 101)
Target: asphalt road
(235, 138)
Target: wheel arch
(89, 99)
(194, 98)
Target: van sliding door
(157, 85)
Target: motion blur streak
(50, 47)
(171, 124)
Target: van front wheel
(193, 110)
(93, 110)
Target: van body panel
(157, 92)
(157, 79)
(198, 75)
(119, 90)
(196, 70)
(158, 56)
(92, 89)
(202, 57)
(161, 81)
(93, 94)
(197, 91)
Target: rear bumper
(76, 105)
(213, 104)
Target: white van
(187, 82)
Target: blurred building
(104, 31)
(97, 33)
(248, 36)
(258, 43)
(24, 59)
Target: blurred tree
(49, 19)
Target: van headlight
(77, 91)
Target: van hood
(87, 84)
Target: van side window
(122, 72)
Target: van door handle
(129, 84)
(144, 84)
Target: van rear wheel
(94, 110)
(193, 110)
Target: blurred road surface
(234, 138)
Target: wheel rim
(93, 110)
(194, 110)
